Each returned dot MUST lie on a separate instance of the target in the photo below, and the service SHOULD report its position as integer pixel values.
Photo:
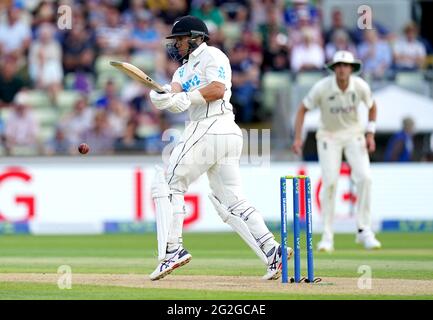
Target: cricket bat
(137, 74)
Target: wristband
(371, 127)
(196, 98)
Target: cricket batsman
(338, 97)
(202, 86)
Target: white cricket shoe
(368, 240)
(274, 269)
(171, 261)
(326, 244)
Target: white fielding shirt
(205, 65)
(338, 109)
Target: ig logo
(65, 279)
(365, 20)
(364, 281)
(64, 20)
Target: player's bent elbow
(219, 94)
(215, 91)
(220, 89)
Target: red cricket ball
(83, 148)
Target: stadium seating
(412, 80)
(38, 99)
(144, 62)
(66, 100)
(102, 63)
(272, 82)
(46, 133)
(309, 78)
(46, 116)
(118, 78)
(71, 78)
(232, 32)
(304, 81)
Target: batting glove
(180, 102)
(160, 100)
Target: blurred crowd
(113, 115)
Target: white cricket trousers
(330, 151)
(212, 146)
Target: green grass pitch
(405, 256)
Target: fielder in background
(202, 85)
(338, 97)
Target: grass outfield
(129, 258)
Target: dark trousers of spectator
(244, 97)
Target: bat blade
(138, 75)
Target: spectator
(217, 38)
(112, 36)
(259, 9)
(337, 23)
(10, 81)
(129, 141)
(110, 93)
(299, 10)
(157, 6)
(340, 40)
(78, 121)
(96, 13)
(400, 146)
(45, 13)
(304, 23)
(308, 55)
(276, 55)
(208, 12)
(45, 62)
(99, 137)
(382, 32)
(169, 10)
(149, 127)
(245, 81)
(251, 41)
(303, 20)
(145, 38)
(78, 49)
(375, 54)
(271, 26)
(21, 128)
(117, 117)
(132, 94)
(15, 35)
(129, 16)
(409, 53)
(60, 144)
(234, 10)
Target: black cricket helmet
(187, 26)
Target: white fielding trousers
(330, 152)
(212, 146)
